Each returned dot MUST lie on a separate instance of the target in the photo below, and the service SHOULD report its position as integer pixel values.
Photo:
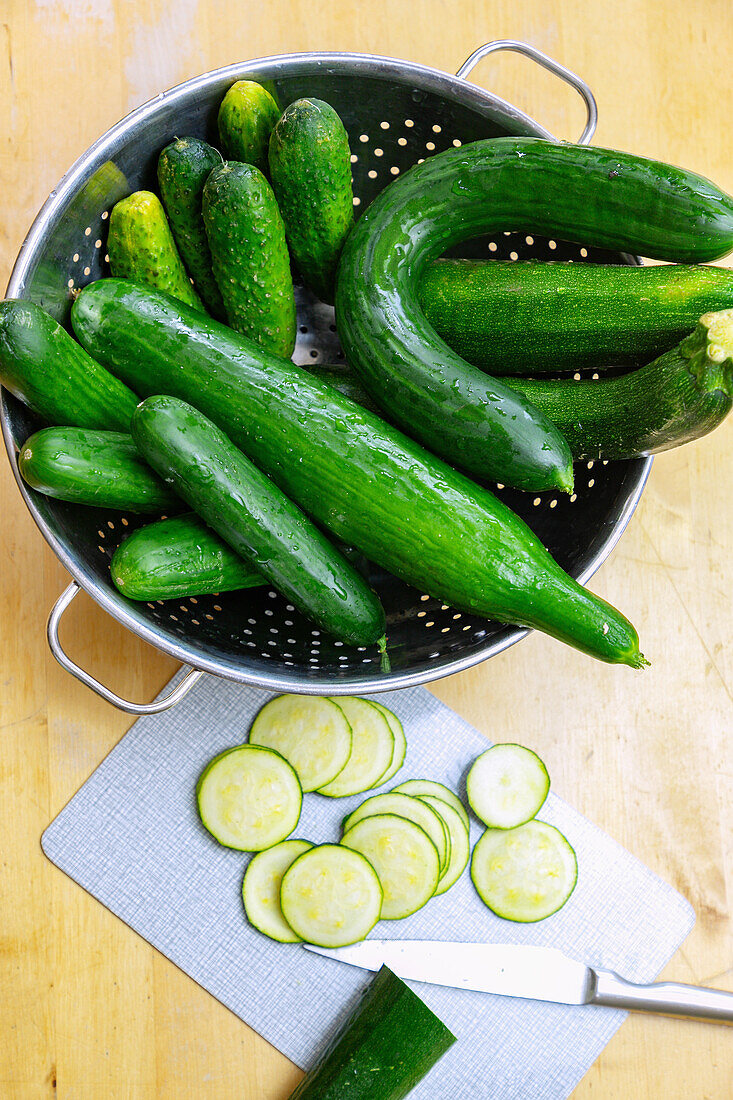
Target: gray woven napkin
(132, 838)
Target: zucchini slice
(459, 842)
(249, 798)
(331, 896)
(506, 786)
(404, 857)
(261, 889)
(412, 809)
(310, 731)
(400, 743)
(372, 749)
(418, 787)
(524, 874)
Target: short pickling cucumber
(361, 478)
(310, 731)
(249, 255)
(400, 743)
(261, 889)
(179, 557)
(94, 467)
(524, 874)
(247, 115)
(412, 809)
(331, 896)
(249, 798)
(404, 858)
(594, 196)
(257, 520)
(141, 247)
(533, 317)
(459, 841)
(183, 168)
(386, 1046)
(507, 786)
(681, 396)
(46, 369)
(420, 787)
(372, 748)
(310, 168)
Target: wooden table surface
(88, 1009)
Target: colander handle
(52, 631)
(547, 63)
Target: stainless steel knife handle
(669, 998)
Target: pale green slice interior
(412, 809)
(331, 896)
(459, 847)
(419, 787)
(311, 732)
(261, 889)
(404, 857)
(372, 746)
(507, 785)
(400, 743)
(524, 874)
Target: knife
(539, 973)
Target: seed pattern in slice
(507, 786)
(459, 847)
(311, 732)
(524, 874)
(331, 896)
(372, 746)
(419, 787)
(412, 809)
(400, 743)
(404, 857)
(261, 889)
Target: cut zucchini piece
(506, 786)
(372, 747)
(404, 857)
(459, 843)
(524, 874)
(412, 809)
(311, 732)
(261, 889)
(400, 743)
(249, 798)
(331, 896)
(418, 787)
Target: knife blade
(537, 973)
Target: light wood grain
(88, 1009)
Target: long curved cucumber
(361, 478)
(533, 317)
(594, 196)
(257, 520)
(46, 369)
(246, 117)
(88, 466)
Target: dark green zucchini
(385, 1047)
(45, 368)
(183, 168)
(531, 317)
(247, 115)
(86, 466)
(681, 396)
(179, 557)
(250, 257)
(310, 169)
(358, 476)
(594, 196)
(256, 519)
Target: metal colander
(396, 114)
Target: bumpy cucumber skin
(249, 255)
(179, 557)
(246, 118)
(141, 247)
(595, 196)
(88, 466)
(46, 369)
(530, 317)
(310, 168)
(183, 168)
(257, 520)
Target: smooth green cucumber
(310, 168)
(256, 519)
(247, 115)
(88, 466)
(530, 317)
(681, 396)
(179, 557)
(361, 478)
(594, 196)
(141, 247)
(385, 1047)
(183, 168)
(46, 369)
(250, 257)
